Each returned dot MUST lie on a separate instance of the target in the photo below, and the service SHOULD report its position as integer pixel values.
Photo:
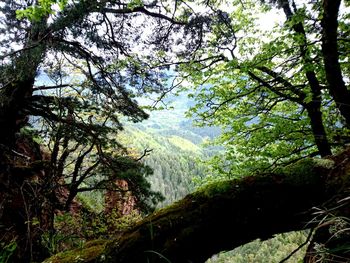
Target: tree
(227, 214)
(273, 95)
(97, 59)
(283, 99)
(332, 55)
(112, 70)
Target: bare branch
(141, 9)
(144, 154)
(37, 88)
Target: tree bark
(318, 129)
(313, 107)
(23, 203)
(225, 215)
(330, 51)
(15, 95)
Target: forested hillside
(178, 160)
(273, 250)
(173, 159)
(90, 144)
(178, 150)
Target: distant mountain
(177, 148)
(173, 119)
(176, 144)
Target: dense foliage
(269, 251)
(71, 71)
(272, 94)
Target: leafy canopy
(269, 92)
(41, 9)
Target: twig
(145, 153)
(20, 154)
(299, 247)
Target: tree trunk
(15, 96)
(314, 107)
(24, 205)
(224, 215)
(317, 127)
(334, 76)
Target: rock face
(121, 202)
(26, 209)
(62, 194)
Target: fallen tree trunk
(225, 215)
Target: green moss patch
(92, 251)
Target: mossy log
(225, 215)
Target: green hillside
(177, 147)
(174, 159)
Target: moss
(92, 251)
(190, 201)
(303, 172)
(214, 189)
(299, 168)
(173, 208)
(325, 163)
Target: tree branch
(141, 9)
(225, 215)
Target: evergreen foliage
(175, 160)
(275, 96)
(268, 251)
(97, 58)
